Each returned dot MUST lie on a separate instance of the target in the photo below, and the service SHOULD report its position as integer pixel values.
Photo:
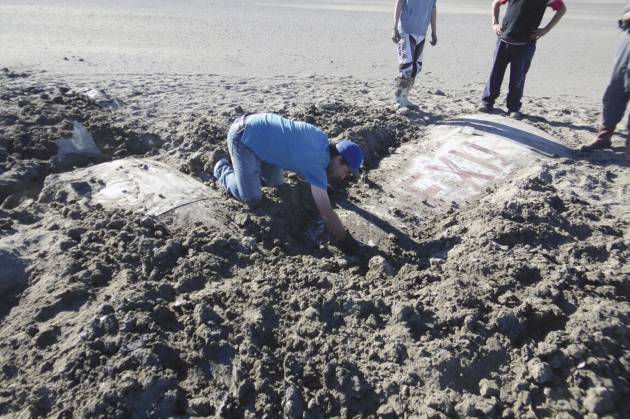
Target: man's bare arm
(322, 202)
(539, 33)
(434, 25)
(496, 10)
(397, 12)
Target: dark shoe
(603, 139)
(485, 108)
(515, 115)
(598, 144)
(218, 167)
(628, 147)
(214, 159)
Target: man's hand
(333, 223)
(433, 41)
(395, 36)
(539, 33)
(349, 245)
(497, 29)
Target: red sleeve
(555, 4)
(503, 1)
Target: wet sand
(510, 302)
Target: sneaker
(216, 155)
(628, 147)
(485, 108)
(403, 102)
(401, 110)
(515, 115)
(598, 144)
(218, 165)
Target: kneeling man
(263, 145)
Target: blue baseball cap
(352, 155)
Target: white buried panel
(143, 186)
(452, 164)
(465, 155)
(81, 143)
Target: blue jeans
(243, 179)
(519, 57)
(618, 91)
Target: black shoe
(485, 108)
(216, 155)
(515, 115)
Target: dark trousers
(519, 57)
(618, 91)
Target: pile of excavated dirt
(515, 305)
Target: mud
(512, 305)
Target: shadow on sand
(534, 142)
(541, 145)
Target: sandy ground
(265, 38)
(512, 305)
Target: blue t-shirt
(415, 16)
(291, 145)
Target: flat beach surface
(299, 38)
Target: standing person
(516, 45)
(411, 20)
(617, 93)
(262, 145)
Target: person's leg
(418, 56)
(270, 174)
(614, 106)
(500, 61)
(627, 150)
(405, 48)
(521, 59)
(615, 99)
(416, 68)
(242, 179)
(618, 91)
(407, 68)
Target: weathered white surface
(99, 98)
(453, 164)
(144, 186)
(81, 143)
(465, 155)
